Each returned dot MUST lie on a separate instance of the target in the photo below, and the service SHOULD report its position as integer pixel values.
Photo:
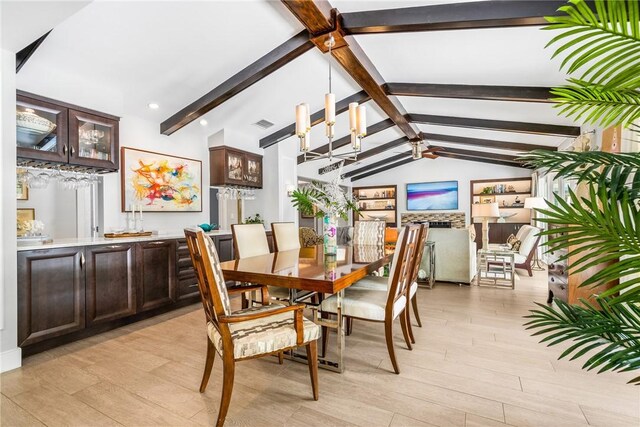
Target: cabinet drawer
(188, 287)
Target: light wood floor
(473, 365)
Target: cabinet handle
(193, 286)
(64, 150)
(157, 243)
(114, 247)
(72, 151)
(82, 260)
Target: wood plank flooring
(473, 365)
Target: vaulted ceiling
(175, 53)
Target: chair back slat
(213, 290)
(369, 233)
(249, 240)
(402, 267)
(422, 240)
(285, 236)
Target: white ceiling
(172, 53)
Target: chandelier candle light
(357, 123)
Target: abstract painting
(432, 196)
(158, 182)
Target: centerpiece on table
(327, 201)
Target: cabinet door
(155, 264)
(50, 294)
(235, 165)
(41, 130)
(93, 140)
(253, 173)
(224, 245)
(110, 282)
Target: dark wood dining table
(309, 270)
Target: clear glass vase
(330, 233)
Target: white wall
(441, 169)
(10, 354)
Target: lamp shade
(485, 210)
(535, 203)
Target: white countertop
(89, 241)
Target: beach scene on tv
(432, 196)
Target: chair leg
(414, 305)
(245, 301)
(229, 367)
(349, 324)
(550, 297)
(405, 331)
(388, 331)
(312, 358)
(409, 327)
(281, 358)
(211, 355)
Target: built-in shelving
(380, 199)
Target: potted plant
(256, 219)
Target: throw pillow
(512, 238)
(515, 246)
(472, 233)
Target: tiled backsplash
(457, 219)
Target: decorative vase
(330, 233)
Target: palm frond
(597, 104)
(608, 332)
(604, 43)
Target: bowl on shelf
(377, 216)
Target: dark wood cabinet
(187, 285)
(498, 232)
(110, 282)
(51, 294)
(155, 265)
(51, 132)
(224, 245)
(230, 166)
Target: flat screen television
(432, 196)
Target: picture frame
(22, 215)
(158, 182)
(235, 166)
(22, 191)
(309, 216)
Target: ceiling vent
(264, 124)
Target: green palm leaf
(605, 44)
(589, 103)
(608, 332)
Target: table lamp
(535, 203)
(485, 211)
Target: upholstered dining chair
(369, 233)
(251, 240)
(385, 307)
(285, 236)
(248, 333)
(382, 283)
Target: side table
(496, 267)
(428, 265)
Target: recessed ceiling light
(203, 122)
(153, 106)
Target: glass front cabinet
(50, 132)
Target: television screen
(432, 196)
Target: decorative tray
(127, 234)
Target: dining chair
(285, 236)
(382, 283)
(250, 240)
(248, 333)
(385, 307)
(369, 233)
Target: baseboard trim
(10, 359)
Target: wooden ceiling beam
(487, 143)
(480, 160)
(272, 61)
(345, 140)
(375, 165)
(452, 16)
(500, 125)
(316, 118)
(23, 55)
(480, 154)
(492, 93)
(369, 153)
(384, 168)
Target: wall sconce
(290, 189)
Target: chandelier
(357, 123)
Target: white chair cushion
(264, 335)
(251, 240)
(278, 292)
(286, 235)
(519, 259)
(364, 304)
(528, 241)
(380, 284)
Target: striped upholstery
(380, 284)
(369, 233)
(217, 273)
(264, 335)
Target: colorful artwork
(431, 196)
(235, 167)
(160, 183)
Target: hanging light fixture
(416, 150)
(357, 123)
